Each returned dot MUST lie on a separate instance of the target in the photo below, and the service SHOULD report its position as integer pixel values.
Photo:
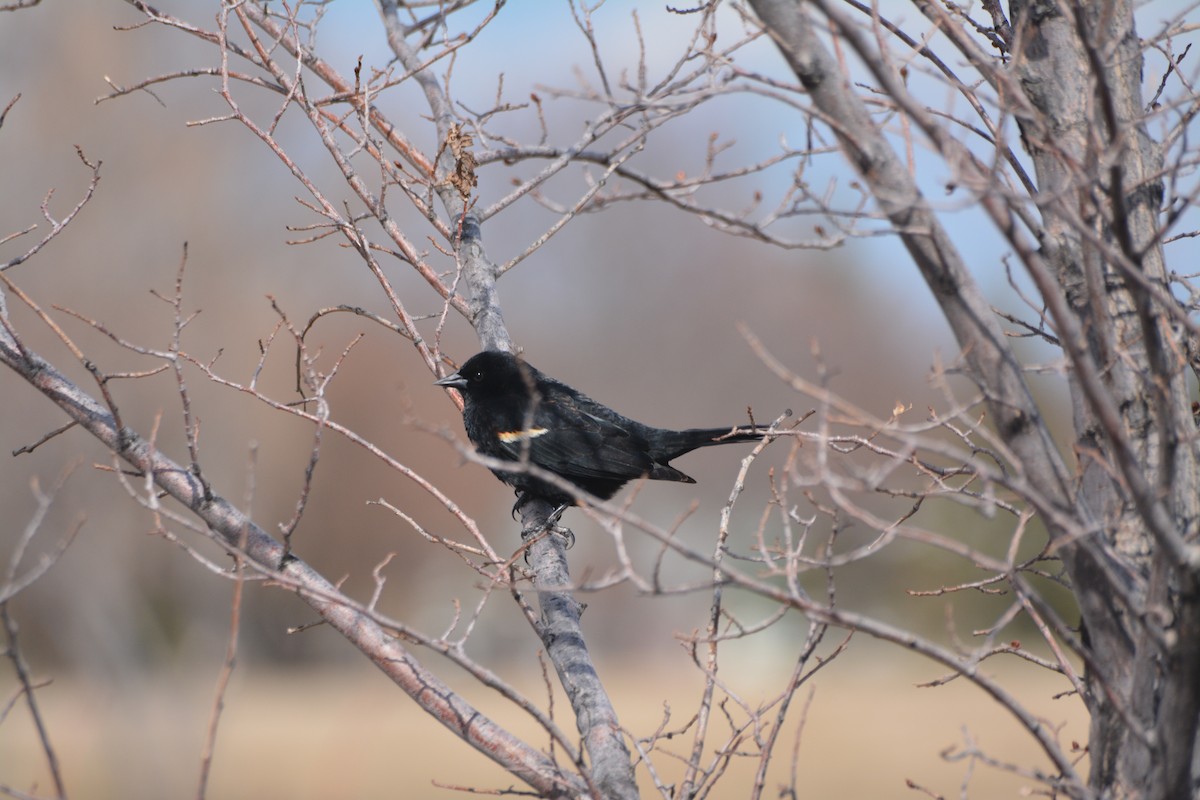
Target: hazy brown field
(346, 734)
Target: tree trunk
(1099, 174)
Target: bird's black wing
(573, 436)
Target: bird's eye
(476, 377)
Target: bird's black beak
(454, 380)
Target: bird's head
(492, 372)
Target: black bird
(514, 412)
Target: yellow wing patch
(515, 436)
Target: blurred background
(637, 306)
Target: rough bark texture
(561, 633)
(1096, 165)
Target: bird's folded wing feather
(585, 446)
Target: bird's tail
(673, 444)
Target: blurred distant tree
(1054, 139)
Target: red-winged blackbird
(513, 412)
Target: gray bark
(561, 633)
(1099, 171)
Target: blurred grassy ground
(345, 733)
